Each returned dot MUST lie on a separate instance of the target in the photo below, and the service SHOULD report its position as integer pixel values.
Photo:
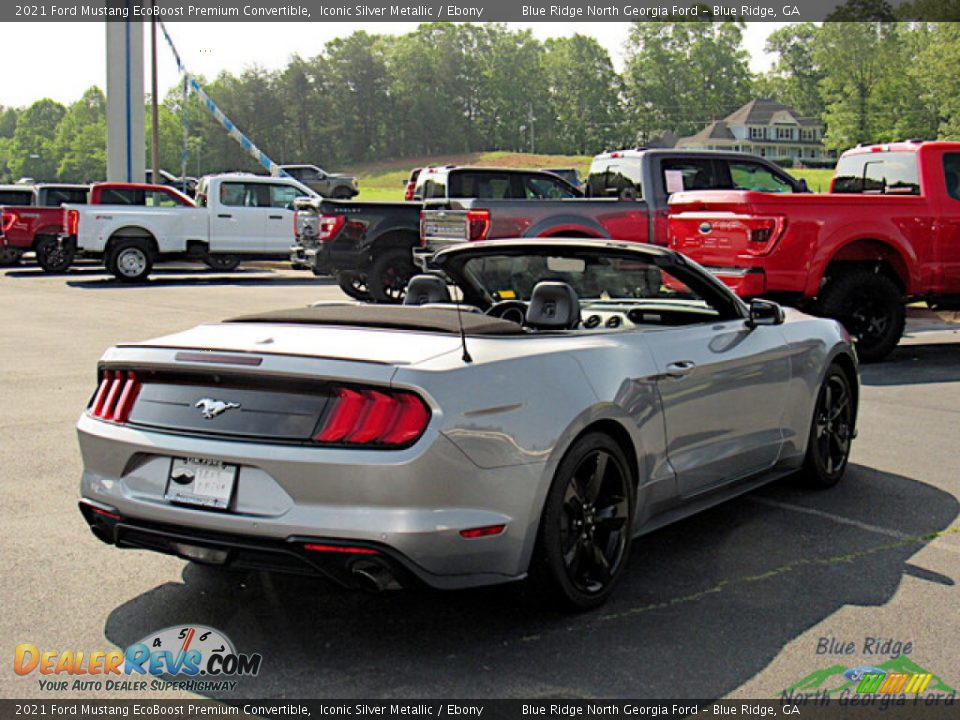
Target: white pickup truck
(238, 217)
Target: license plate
(208, 483)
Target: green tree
(855, 57)
(584, 94)
(31, 152)
(681, 75)
(795, 76)
(935, 72)
(80, 141)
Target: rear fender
(567, 225)
(854, 243)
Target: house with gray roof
(764, 127)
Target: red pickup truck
(887, 234)
(24, 228)
(29, 202)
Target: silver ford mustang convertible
(532, 407)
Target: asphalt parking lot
(733, 602)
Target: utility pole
(531, 118)
(154, 110)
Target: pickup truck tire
(354, 284)
(831, 431)
(870, 306)
(389, 275)
(222, 263)
(130, 260)
(52, 256)
(10, 256)
(342, 194)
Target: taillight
(115, 396)
(7, 220)
(763, 233)
(408, 193)
(328, 226)
(71, 222)
(374, 417)
(478, 224)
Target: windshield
(595, 278)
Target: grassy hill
(385, 180)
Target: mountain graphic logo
(900, 675)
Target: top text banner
(477, 10)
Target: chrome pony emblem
(210, 408)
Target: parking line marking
(829, 516)
(842, 520)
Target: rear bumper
(410, 504)
(366, 565)
(745, 282)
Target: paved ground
(732, 602)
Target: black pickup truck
(626, 198)
(368, 245)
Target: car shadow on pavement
(95, 278)
(915, 364)
(705, 605)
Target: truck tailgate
(724, 238)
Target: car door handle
(225, 215)
(681, 368)
(276, 217)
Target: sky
(209, 47)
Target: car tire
(354, 284)
(870, 306)
(342, 194)
(53, 257)
(130, 261)
(583, 541)
(10, 256)
(221, 262)
(831, 431)
(389, 274)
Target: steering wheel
(512, 310)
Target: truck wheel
(342, 194)
(389, 275)
(354, 284)
(222, 263)
(870, 306)
(52, 256)
(10, 256)
(130, 261)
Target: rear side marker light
(485, 531)
(115, 396)
(99, 511)
(374, 417)
(342, 549)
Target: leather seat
(553, 306)
(423, 289)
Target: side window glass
(696, 174)
(541, 188)
(753, 176)
(951, 174)
(282, 196)
(233, 194)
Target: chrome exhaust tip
(373, 576)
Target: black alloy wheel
(871, 308)
(584, 538)
(831, 432)
(354, 284)
(389, 275)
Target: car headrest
(423, 289)
(553, 306)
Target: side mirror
(765, 312)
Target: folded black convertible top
(392, 317)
